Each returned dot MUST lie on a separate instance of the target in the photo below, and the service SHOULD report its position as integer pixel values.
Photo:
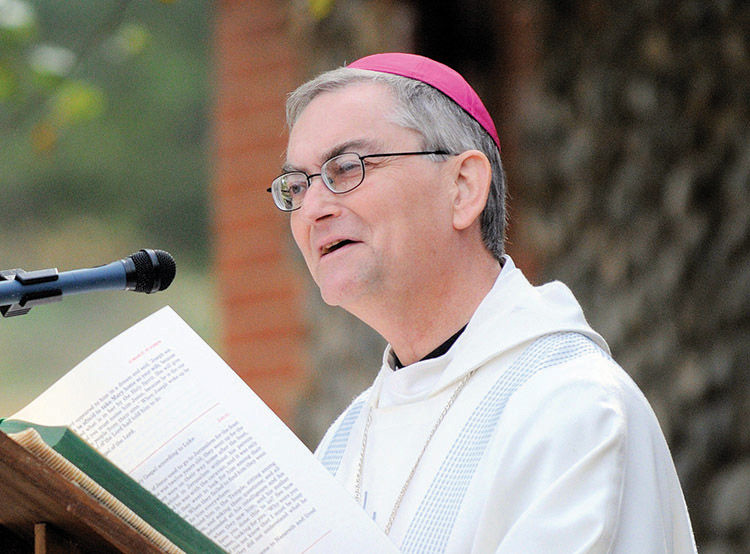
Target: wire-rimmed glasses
(340, 174)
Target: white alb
(549, 447)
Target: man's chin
(339, 292)
(349, 284)
(335, 297)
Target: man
(498, 421)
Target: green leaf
(130, 40)
(320, 9)
(8, 83)
(75, 102)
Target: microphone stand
(31, 298)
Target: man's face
(391, 226)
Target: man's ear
(473, 175)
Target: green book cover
(154, 512)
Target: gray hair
(442, 123)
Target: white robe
(550, 447)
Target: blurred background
(145, 123)
(104, 150)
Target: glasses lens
(289, 190)
(343, 173)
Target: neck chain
(358, 481)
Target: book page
(163, 406)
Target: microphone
(146, 271)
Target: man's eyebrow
(349, 146)
(287, 167)
(359, 146)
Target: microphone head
(154, 270)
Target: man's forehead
(360, 145)
(353, 118)
(371, 96)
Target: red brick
(244, 17)
(245, 246)
(283, 354)
(237, 286)
(260, 287)
(258, 277)
(236, 135)
(280, 394)
(266, 317)
(237, 208)
(252, 171)
(264, 58)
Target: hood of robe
(514, 313)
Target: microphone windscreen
(154, 270)
(167, 268)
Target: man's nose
(319, 201)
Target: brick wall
(255, 67)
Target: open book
(167, 412)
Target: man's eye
(295, 189)
(293, 185)
(345, 168)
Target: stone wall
(635, 152)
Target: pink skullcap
(435, 74)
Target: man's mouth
(328, 248)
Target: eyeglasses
(340, 174)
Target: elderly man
(498, 421)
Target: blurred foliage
(103, 110)
(320, 9)
(103, 151)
